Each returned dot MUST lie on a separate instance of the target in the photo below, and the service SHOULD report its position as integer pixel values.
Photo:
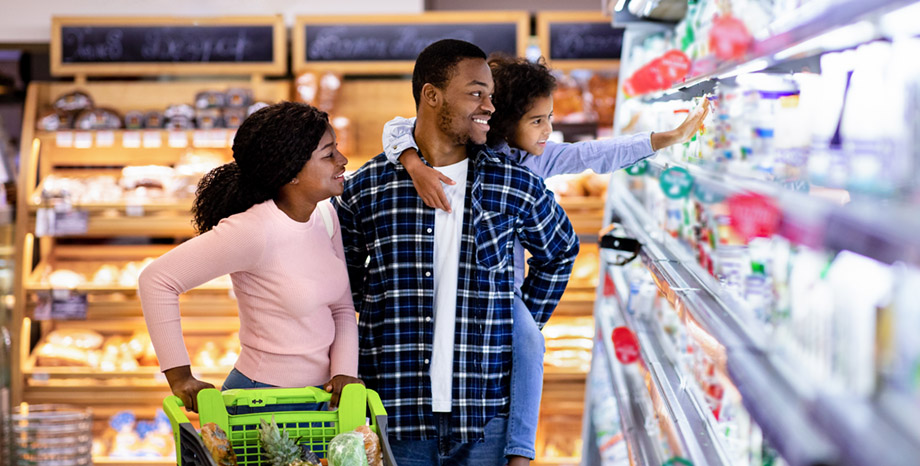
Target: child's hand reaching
(427, 180)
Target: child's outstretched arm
(609, 155)
(399, 147)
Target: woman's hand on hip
(335, 386)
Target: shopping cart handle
(172, 405)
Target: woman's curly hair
(269, 149)
(518, 83)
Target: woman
(265, 219)
(519, 130)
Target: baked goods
(217, 443)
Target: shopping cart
(312, 428)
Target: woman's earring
(294, 181)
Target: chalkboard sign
(585, 41)
(375, 43)
(155, 44)
(168, 45)
(401, 41)
(579, 39)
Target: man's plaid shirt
(388, 234)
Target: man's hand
(335, 386)
(685, 131)
(427, 180)
(185, 386)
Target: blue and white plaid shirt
(388, 234)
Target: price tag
(63, 138)
(625, 345)
(131, 139)
(638, 168)
(44, 222)
(178, 139)
(754, 215)
(676, 182)
(135, 210)
(153, 139)
(105, 138)
(71, 222)
(83, 139)
(61, 304)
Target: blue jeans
(527, 348)
(237, 379)
(447, 452)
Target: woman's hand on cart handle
(335, 386)
(184, 385)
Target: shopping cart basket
(312, 428)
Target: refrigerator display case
(766, 318)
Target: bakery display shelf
(39, 279)
(795, 27)
(197, 304)
(169, 225)
(574, 203)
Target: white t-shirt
(447, 230)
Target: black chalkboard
(400, 42)
(167, 44)
(584, 41)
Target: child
(519, 130)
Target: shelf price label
(676, 182)
(61, 304)
(61, 222)
(63, 138)
(638, 168)
(83, 139)
(131, 139)
(105, 138)
(625, 345)
(754, 215)
(178, 139)
(153, 139)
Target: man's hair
(436, 64)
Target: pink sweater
(297, 318)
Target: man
(435, 289)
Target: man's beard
(446, 125)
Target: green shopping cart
(312, 428)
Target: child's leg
(527, 350)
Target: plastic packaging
(347, 449)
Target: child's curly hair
(518, 83)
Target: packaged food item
(371, 446)
(233, 117)
(75, 337)
(329, 86)
(134, 120)
(179, 111)
(154, 119)
(603, 88)
(209, 118)
(97, 118)
(238, 98)
(55, 120)
(210, 99)
(568, 101)
(217, 443)
(255, 108)
(73, 102)
(307, 86)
